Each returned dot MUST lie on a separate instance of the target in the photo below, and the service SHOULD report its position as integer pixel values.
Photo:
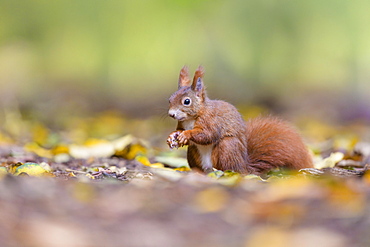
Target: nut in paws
(172, 139)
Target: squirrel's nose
(171, 113)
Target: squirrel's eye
(186, 101)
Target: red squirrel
(218, 137)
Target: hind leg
(193, 157)
(230, 154)
(260, 168)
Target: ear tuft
(198, 80)
(184, 80)
(198, 73)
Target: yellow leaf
(93, 148)
(127, 147)
(13, 167)
(172, 161)
(145, 161)
(157, 165)
(31, 169)
(329, 161)
(35, 148)
(183, 169)
(95, 141)
(60, 149)
(89, 176)
(216, 174)
(228, 178)
(121, 143)
(131, 151)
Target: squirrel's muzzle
(172, 113)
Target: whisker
(162, 112)
(164, 116)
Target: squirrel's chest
(188, 125)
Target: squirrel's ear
(184, 80)
(198, 80)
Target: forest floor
(57, 190)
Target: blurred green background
(79, 56)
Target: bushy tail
(274, 143)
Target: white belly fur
(205, 151)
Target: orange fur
(199, 73)
(184, 77)
(273, 143)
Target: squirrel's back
(273, 143)
(222, 117)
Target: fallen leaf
(183, 169)
(37, 149)
(145, 161)
(31, 169)
(168, 174)
(330, 161)
(60, 149)
(93, 148)
(173, 161)
(131, 151)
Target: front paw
(183, 138)
(172, 140)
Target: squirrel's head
(186, 102)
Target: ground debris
(120, 191)
(113, 201)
